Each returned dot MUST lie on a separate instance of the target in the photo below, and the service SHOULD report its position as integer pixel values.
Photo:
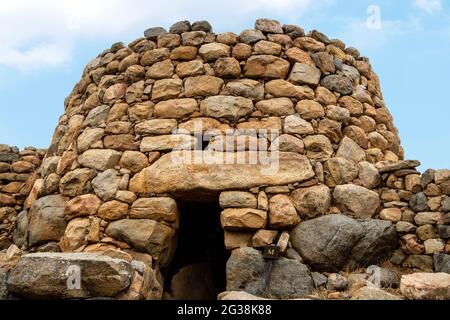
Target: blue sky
(45, 45)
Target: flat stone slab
(386, 166)
(69, 276)
(215, 173)
(426, 286)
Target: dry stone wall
(17, 176)
(343, 197)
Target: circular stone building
(181, 156)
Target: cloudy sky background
(45, 44)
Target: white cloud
(49, 55)
(40, 34)
(429, 6)
(357, 34)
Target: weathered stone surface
(385, 166)
(168, 143)
(419, 263)
(444, 231)
(229, 38)
(287, 143)
(309, 109)
(99, 159)
(377, 244)
(336, 282)
(368, 175)
(202, 25)
(290, 278)
(441, 262)
(190, 68)
(263, 238)
(350, 150)
(296, 125)
(226, 107)
(237, 199)
(46, 276)
(134, 161)
(167, 89)
(202, 86)
(293, 31)
(331, 129)
(180, 27)
(426, 232)
(184, 53)
(159, 209)
(246, 88)
(22, 167)
(46, 218)
(340, 84)
(300, 56)
(152, 56)
(391, 214)
(180, 178)
(324, 61)
(372, 294)
(355, 107)
(283, 88)
(193, 38)
(309, 44)
(154, 32)
(282, 213)
(419, 202)
(276, 107)
(426, 286)
(116, 91)
(227, 68)
(84, 205)
(434, 246)
(357, 201)
(303, 73)
(106, 184)
(241, 51)
(121, 142)
(427, 178)
(266, 67)
(75, 234)
(313, 201)
(423, 218)
(176, 108)
(326, 242)
(3, 287)
(145, 235)
(318, 147)
(214, 51)
(251, 36)
(341, 170)
(161, 70)
(113, 210)
(243, 219)
(234, 240)
(268, 26)
(267, 47)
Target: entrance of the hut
(197, 271)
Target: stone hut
(181, 156)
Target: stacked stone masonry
(108, 183)
(17, 177)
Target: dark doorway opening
(197, 271)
